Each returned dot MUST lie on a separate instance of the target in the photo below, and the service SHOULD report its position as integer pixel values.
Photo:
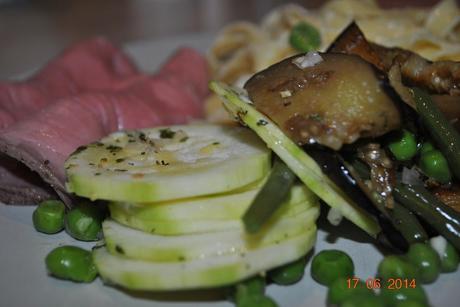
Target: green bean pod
(407, 223)
(270, 197)
(441, 130)
(440, 216)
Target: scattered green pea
(290, 273)
(426, 147)
(72, 263)
(84, 222)
(49, 216)
(363, 300)
(328, 265)
(249, 287)
(396, 267)
(434, 165)
(340, 290)
(447, 253)
(449, 259)
(393, 296)
(403, 145)
(258, 300)
(304, 37)
(427, 261)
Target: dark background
(33, 31)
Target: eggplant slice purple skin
(403, 67)
(333, 102)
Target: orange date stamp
(378, 283)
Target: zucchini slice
(298, 161)
(221, 207)
(200, 273)
(166, 163)
(189, 226)
(138, 244)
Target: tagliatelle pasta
(243, 48)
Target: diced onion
(308, 60)
(334, 216)
(410, 176)
(439, 244)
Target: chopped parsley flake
(262, 122)
(167, 133)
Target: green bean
(393, 296)
(443, 133)
(401, 218)
(407, 223)
(403, 145)
(426, 259)
(84, 222)
(270, 197)
(49, 216)
(304, 37)
(328, 265)
(340, 290)
(290, 273)
(396, 267)
(440, 216)
(72, 263)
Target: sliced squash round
(166, 163)
(200, 273)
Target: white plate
(24, 282)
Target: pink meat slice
(44, 141)
(91, 65)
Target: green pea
(258, 300)
(403, 145)
(449, 259)
(434, 165)
(368, 299)
(304, 37)
(427, 261)
(328, 265)
(411, 303)
(340, 290)
(249, 287)
(290, 273)
(393, 296)
(396, 267)
(49, 216)
(426, 147)
(72, 263)
(84, 222)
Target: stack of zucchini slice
(176, 198)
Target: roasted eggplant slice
(441, 77)
(330, 99)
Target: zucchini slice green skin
(229, 206)
(137, 244)
(200, 273)
(171, 226)
(295, 158)
(141, 166)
